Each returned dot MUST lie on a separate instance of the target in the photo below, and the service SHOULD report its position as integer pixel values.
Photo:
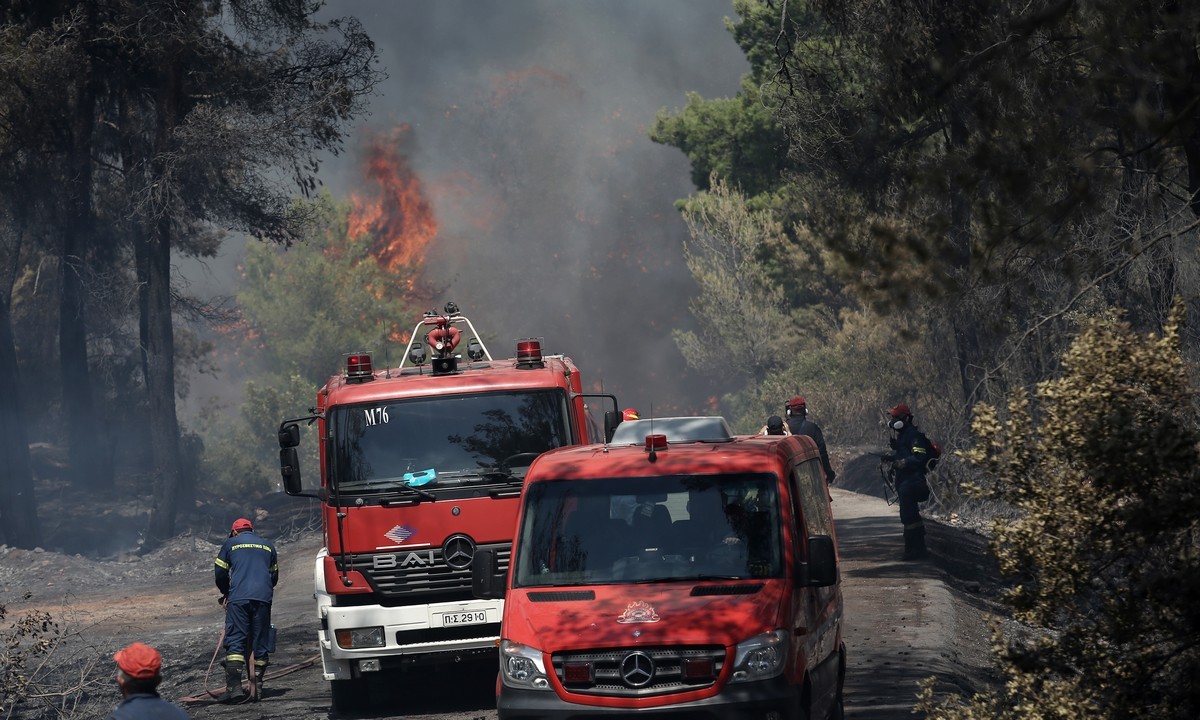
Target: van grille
(432, 582)
(667, 677)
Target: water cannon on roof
(437, 337)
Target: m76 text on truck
(421, 467)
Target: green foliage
(737, 138)
(303, 308)
(1103, 465)
(309, 304)
(723, 255)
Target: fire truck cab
(421, 467)
(690, 575)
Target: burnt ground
(102, 591)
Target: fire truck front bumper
(359, 639)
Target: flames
(396, 213)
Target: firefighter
(247, 569)
(775, 426)
(911, 453)
(629, 414)
(139, 669)
(799, 424)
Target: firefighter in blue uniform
(910, 456)
(247, 569)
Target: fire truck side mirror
(487, 582)
(612, 419)
(821, 570)
(289, 435)
(289, 468)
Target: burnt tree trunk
(90, 463)
(159, 341)
(18, 506)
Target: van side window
(809, 486)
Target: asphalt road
(904, 621)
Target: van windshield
(650, 529)
(443, 441)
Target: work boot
(914, 544)
(260, 672)
(233, 680)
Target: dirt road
(904, 622)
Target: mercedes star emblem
(458, 551)
(637, 669)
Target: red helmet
(900, 411)
(629, 414)
(796, 402)
(241, 524)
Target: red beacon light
(358, 367)
(654, 445)
(529, 354)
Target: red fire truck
(692, 576)
(422, 466)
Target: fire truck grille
(614, 673)
(421, 576)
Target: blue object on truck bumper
(766, 700)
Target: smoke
(526, 124)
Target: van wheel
(839, 709)
(350, 696)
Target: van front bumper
(767, 700)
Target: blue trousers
(247, 623)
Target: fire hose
(249, 685)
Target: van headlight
(521, 666)
(761, 657)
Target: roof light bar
(529, 354)
(358, 367)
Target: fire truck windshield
(443, 441)
(650, 529)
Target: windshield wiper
(680, 578)
(387, 485)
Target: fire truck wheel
(350, 695)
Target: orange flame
(397, 215)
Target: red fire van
(690, 575)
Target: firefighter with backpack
(911, 457)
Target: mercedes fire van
(690, 574)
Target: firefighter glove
(221, 600)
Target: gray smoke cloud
(527, 126)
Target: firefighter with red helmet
(910, 457)
(247, 570)
(799, 424)
(629, 414)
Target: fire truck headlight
(761, 657)
(354, 638)
(521, 666)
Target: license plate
(471, 617)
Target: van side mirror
(822, 568)
(487, 582)
(612, 419)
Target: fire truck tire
(350, 695)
